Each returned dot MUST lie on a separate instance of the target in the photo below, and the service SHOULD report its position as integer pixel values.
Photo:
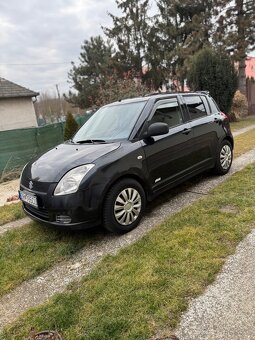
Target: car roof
(155, 96)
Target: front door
(168, 156)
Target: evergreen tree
(213, 71)
(70, 127)
(236, 32)
(186, 28)
(156, 72)
(130, 33)
(96, 62)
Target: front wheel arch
(109, 221)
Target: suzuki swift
(127, 153)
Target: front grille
(40, 213)
(40, 187)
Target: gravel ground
(227, 309)
(38, 290)
(8, 189)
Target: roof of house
(9, 89)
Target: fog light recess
(64, 219)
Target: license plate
(28, 198)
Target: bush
(239, 107)
(213, 71)
(70, 127)
(115, 88)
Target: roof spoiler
(204, 92)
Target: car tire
(224, 158)
(124, 206)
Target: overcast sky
(49, 33)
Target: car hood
(52, 165)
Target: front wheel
(124, 206)
(224, 158)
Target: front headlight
(70, 182)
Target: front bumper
(83, 211)
(71, 226)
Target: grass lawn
(27, 252)
(147, 286)
(244, 143)
(9, 213)
(243, 123)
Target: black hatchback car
(123, 156)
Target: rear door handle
(186, 131)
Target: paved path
(38, 290)
(243, 130)
(226, 311)
(15, 224)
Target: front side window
(111, 123)
(169, 112)
(195, 106)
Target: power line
(37, 64)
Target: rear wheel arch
(230, 140)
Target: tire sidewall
(109, 220)
(219, 169)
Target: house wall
(250, 67)
(17, 113)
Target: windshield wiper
(90, 141)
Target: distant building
(250, 67)
(16, 106)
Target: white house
(16, 106)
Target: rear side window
(214, 106)
(206, 105)
(168, 112)
(195, 106)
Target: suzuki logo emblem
(30, 185)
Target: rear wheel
(124, 206)
(224, 158)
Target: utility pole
(60, 101)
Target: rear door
(168, 156)
(204, 126)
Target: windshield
(110, 122)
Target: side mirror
(157, 129)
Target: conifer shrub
(213, 71)
(70, 127)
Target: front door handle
(186, 131)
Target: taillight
(225, 117)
